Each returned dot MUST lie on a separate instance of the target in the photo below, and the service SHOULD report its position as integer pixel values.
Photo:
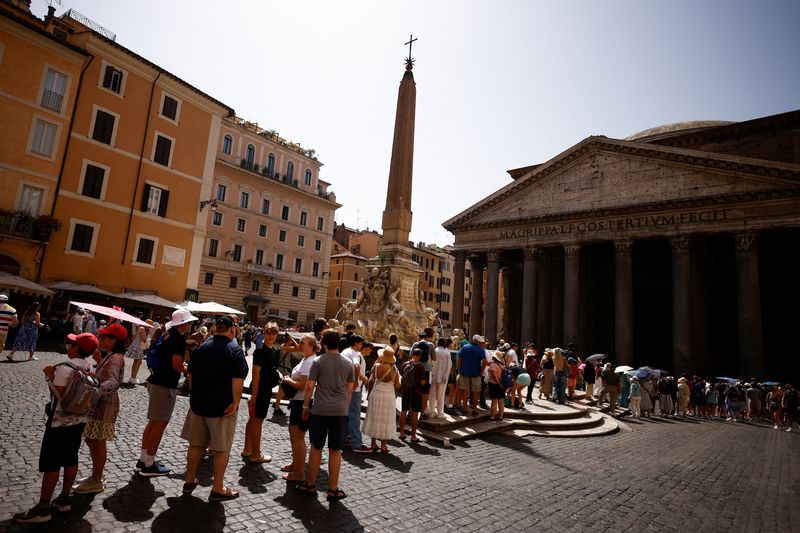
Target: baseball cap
(180, 316)
(114, 330)
(478, 338)
(3, 297)
(85, 341)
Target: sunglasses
(69, 345)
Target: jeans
(559, 386)
(354, 420)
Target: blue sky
(500, 84)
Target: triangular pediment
(601, 174)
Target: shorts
(496, 392)
(3, 337)
(572, 382)
(209, 432)
(161, 403)
(99, 430)
(469, 383)
(411, 402)
(261, 407)
(427, 387)
(60, 447)
(330, 428)
(296, 415)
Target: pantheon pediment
(601, 174)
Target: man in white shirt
(353, 354)
(8, 318)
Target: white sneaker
(89, 486)
(133, 381)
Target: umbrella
(731, 381)
(770, 383)
(210, 308)
(595, 357)
(655, 371)
(113, 313)
(622, 368)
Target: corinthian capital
(746, 242)
(623, 247)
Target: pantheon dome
(675, 128)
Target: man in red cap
(62, 433)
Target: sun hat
(387, 355)
(85, 341)
(203, 331)
(180, 316)
(3, 297)
(114, 330)
(498, 356)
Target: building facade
(270, 227)
(676, 247)
(346, 279)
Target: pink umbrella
(112, 313)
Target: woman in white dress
(384, 378)
(439, 375)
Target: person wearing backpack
(102, 419)
(62, 432)
(162, 390)
(428, 356)
(497, 390)
(413, 380)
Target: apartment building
(270, 222)
(346, 279)
(436, 279)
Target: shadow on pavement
(255, 477)
(188, 513)
(132, 502)
(314, 515)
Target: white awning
(77, 287)
(10, 282)
(149, 299)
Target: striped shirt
(7, 315)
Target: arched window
(271, 165)
(227, 144)
(290, 170)
(308, 178)
(251, 155)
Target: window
(337, 292)
(259, 257)
(234, 282)
(244, 200)
(355, 276)
(103, 127)
(262, 230)
(279, 261)
(320, 223)
(272, 312)
(209, 278)
(250, 156)
(318, 245)
(93, 181)
(82, 238)
(213, 247)
(163, 150)
(298, 265)
(313, 294)
(295, 291)
(315, 269)
(308, 178)
(112, 79)
(285, 212)
(236, 254)
(301, 240)
(290, 170)
(216, 218)
(53, 94)
(256, 285)
(31, 199)
(271, 165)
(221, 190)
(292, 316)
(303, 218)
(276, 288)
(264, 206)
(227, 144)
(44, 136)
(155, 200)
(241, 224)
(354, 294)
(144, 251)
(169, 108)
(282, 235)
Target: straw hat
(387, 355)
(498, 356)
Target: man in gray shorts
(216, 372)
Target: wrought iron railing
(89, 23)
(260, 269)
(52, 100)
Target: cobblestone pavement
(659, 475)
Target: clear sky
(500, 84)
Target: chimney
(51, 12)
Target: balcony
(25, 226)
(52, 100)
(261, 270)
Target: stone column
(681, 325)
(529, 323)
(623, 303)
(571, 292)
(543, 314)
(457, 320)
(476, 301)
(748, 303)
(556, 298)
(492, 288)
(505, 310)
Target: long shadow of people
(255, 477)
(190, 513)
(315, 517)
(132, 502)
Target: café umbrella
(595, 357)
(111, 313)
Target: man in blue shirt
(470, 363)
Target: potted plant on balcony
(255, 168)
(43, 226)
(243, 163)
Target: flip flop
(260, 459)
(227, 494)
(287, 468)
(245, 455)
(335, 494)
(385, 450)
(289, 477)
(304, 488)
(414, 440)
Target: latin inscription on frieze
(617, 224)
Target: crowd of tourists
(324, 376)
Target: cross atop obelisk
(409, 59)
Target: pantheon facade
(677, 247)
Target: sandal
(335, 494)
(402, 437)
(189, 487)
(226, 494)
(245, 455)
(414, 440)
(289, 477)
(304, 488)
(287, 468)
(260, 459)
(384, 449)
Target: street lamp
(212, 203)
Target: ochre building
(677, 247)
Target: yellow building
(39, 79)
(346, 279)
(139, 159)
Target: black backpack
(409, 378)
